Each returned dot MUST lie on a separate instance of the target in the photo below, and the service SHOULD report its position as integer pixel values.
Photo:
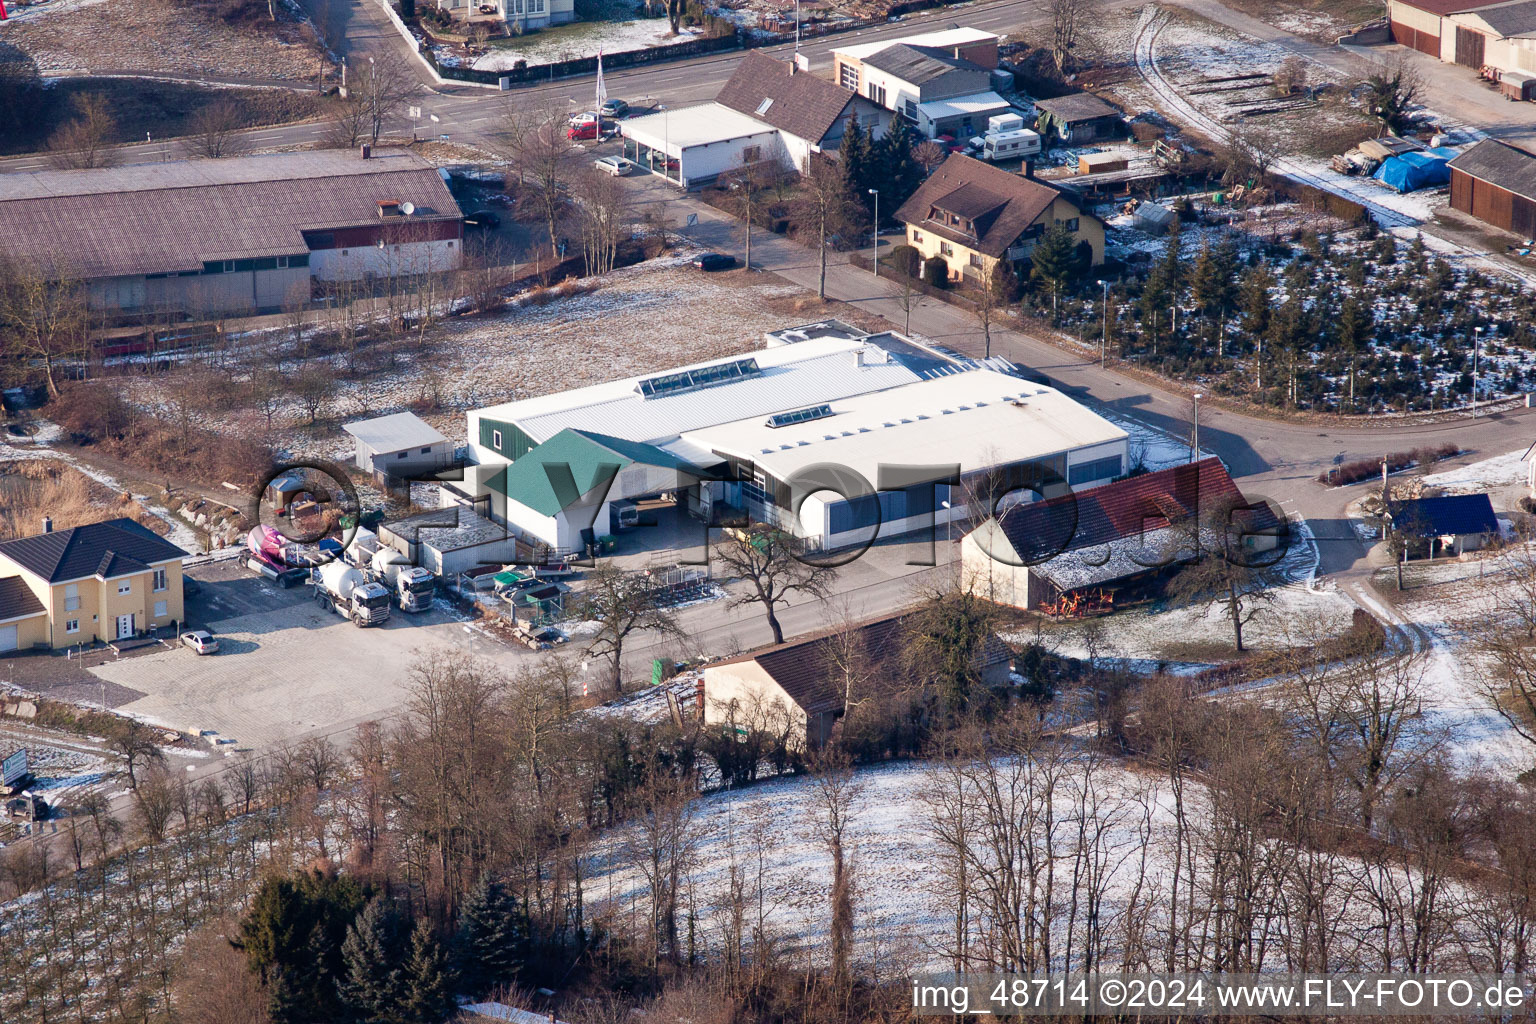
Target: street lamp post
(874, 263)
(1477, 351)
(1104, 338)
(1194, 444)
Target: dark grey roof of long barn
(117, 547)
(1500, 164)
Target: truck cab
(370, 604)
(414, 589)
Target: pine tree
(1354, 332)
(489, 946)
(372, 985)
(428, 979)
(1053, 260)
(858, 161)
(900, 172)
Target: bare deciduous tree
(86, 140)
(623, 603)
(769, 560)
(214, 129)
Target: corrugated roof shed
(1512, 21)
(1501, 164)
(1079, 106)
(1444, 8)
(173, 217)
(395, 433)
(797, 102)
(117, 547)
(1007, 203)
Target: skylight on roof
(703, 376)
(762, 108)
(784, 419)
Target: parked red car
(582, 132)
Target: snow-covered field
(638, 319)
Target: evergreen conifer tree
(428, 979)
(491, 937)
(1053, 260)
(372, 985)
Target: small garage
(1496, 183)
(23, 620)
(1417, 24)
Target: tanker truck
(345, 590)
(412, 586)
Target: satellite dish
(407, 208)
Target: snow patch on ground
(1499, 471)
(570, 42)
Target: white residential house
(769, 111)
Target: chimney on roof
(365, 151)
(1028, 169)
(47, 524)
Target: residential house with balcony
(972, 215)
(106, 581)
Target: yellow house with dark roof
(972, 215)
(106, 581)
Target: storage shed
(450, 540)
(1445, 526)
(399, 445)
(1496, 183)
(1098, 163)
(1079, 118)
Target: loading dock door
(8, 637)
(1469, 47)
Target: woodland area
(462, 849)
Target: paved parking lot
(285, 668)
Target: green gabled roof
(554, 475)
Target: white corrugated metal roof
(792, 376)
(394, 433)
(679, 129)
(945, 37)
(972, 418)
(975, 103)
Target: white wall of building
(703, 162)
(403, 258)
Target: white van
(1015, 145)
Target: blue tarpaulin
(1418, 169)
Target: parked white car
(201, 641)
(614, 165)
(585, 117)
